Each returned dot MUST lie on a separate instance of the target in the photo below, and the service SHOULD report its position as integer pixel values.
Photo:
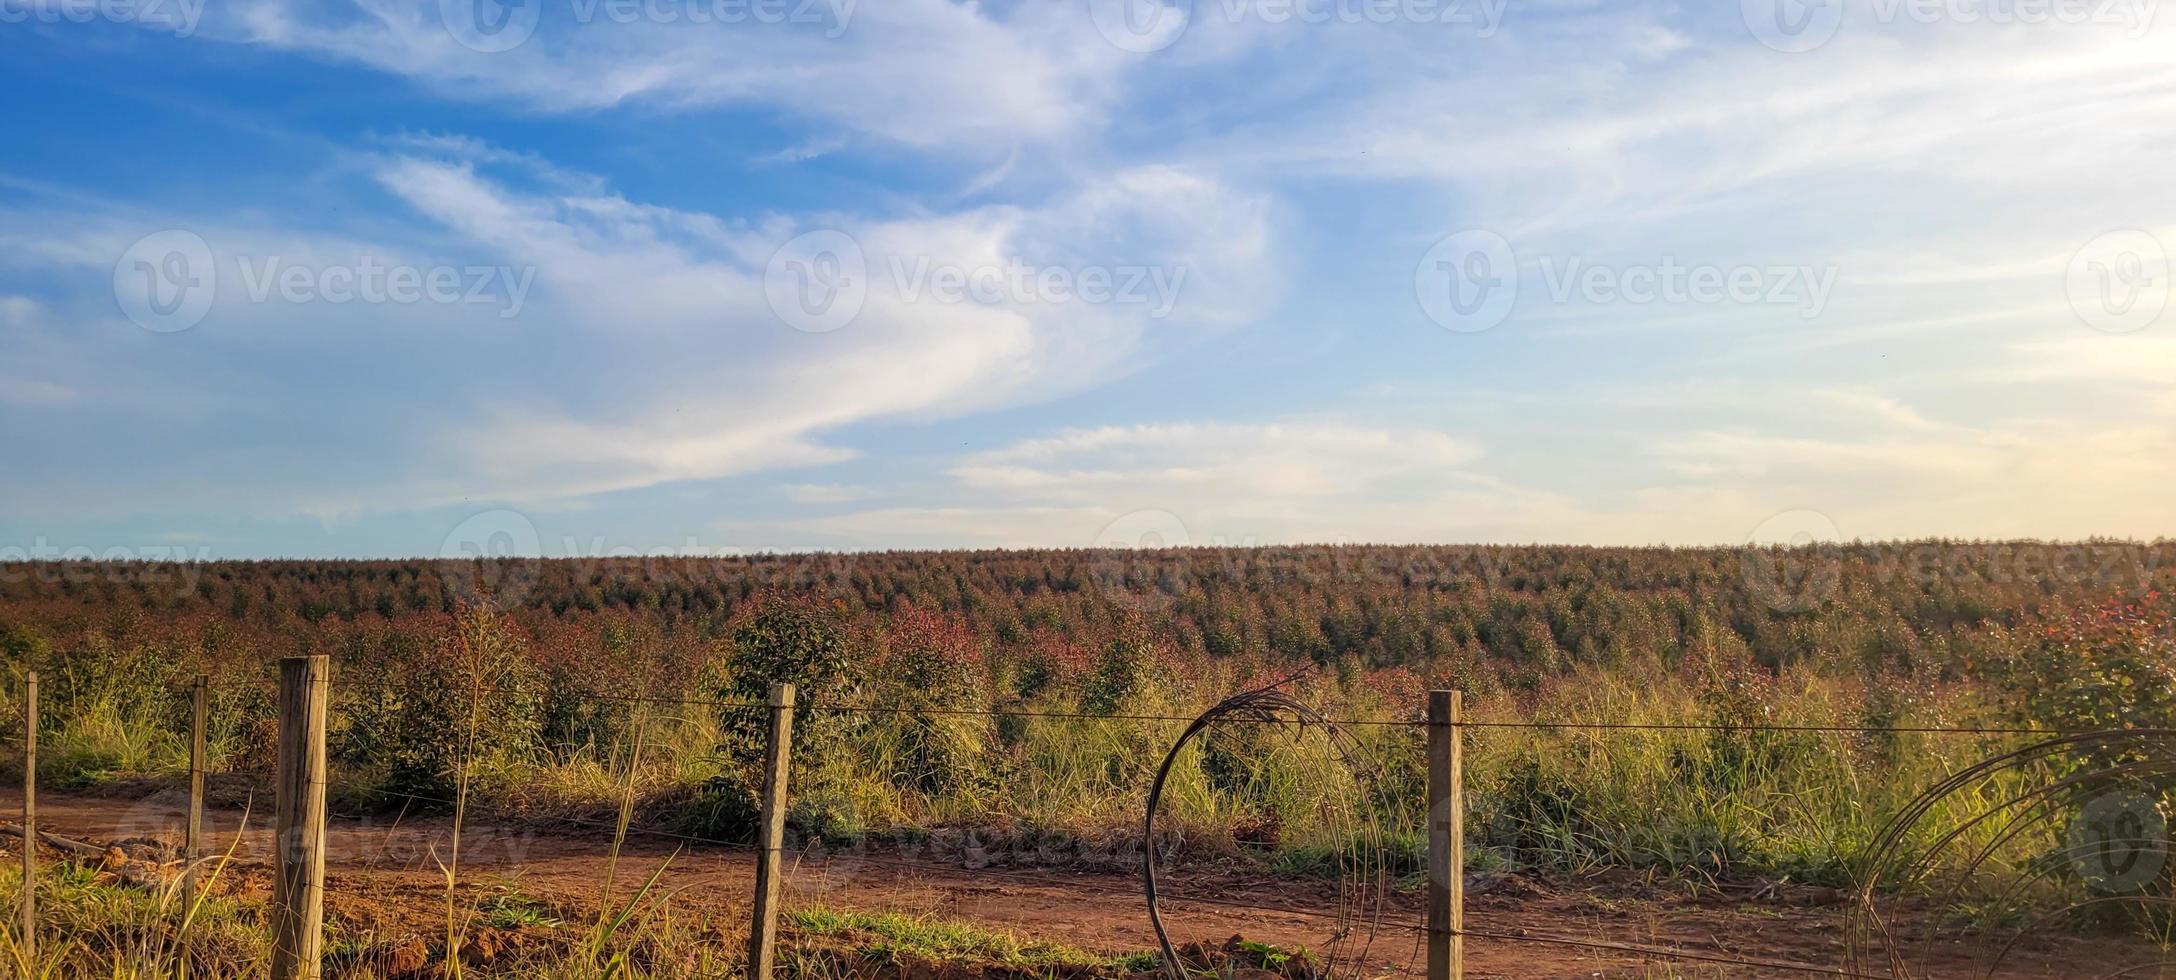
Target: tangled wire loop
(1355, 826)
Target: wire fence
(1539, 724)
(1399, 913)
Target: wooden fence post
(298, 896)
(763, 931)
(1446, 837)
(192, 831)
(28, 939)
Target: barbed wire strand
(435, 909)
(1073, 882)
(901, 710)
(1363, 723)
(581, 694)
(1092, 888)
(1699, 727)
(1076, 883)
(432, 907)
(1079, 884)
(902, 866)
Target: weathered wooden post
(1446, 837)
(28, 939)
(192, 832)
(298, 896)
(763, 932)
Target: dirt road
(386, 870)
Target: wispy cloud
(926, 73)
(1284, 181)
(827, 493)
(650, 353)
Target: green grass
(1701, 806)
(100, 744)
(1797, 806)
(888, 937)
(507, 908)
(90, 929)
(94, 929)
(1273, 957)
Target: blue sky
(685, 275)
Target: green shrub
(466, 703)
(725, 808)
(791, 641)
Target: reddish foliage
(1404, 693)
(932, 656)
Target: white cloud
(1691, 465)
(738, 391)
(1231, 483)
(804, 151)
(1619, 140)
(1947, 173)
(32, 393)
(646, 353)
(1874, 156)
(2097, 463)
(827, 493)
(2142, 360)
(1276, 461)
(934, 74)
(2026, 479)
(17, 311)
